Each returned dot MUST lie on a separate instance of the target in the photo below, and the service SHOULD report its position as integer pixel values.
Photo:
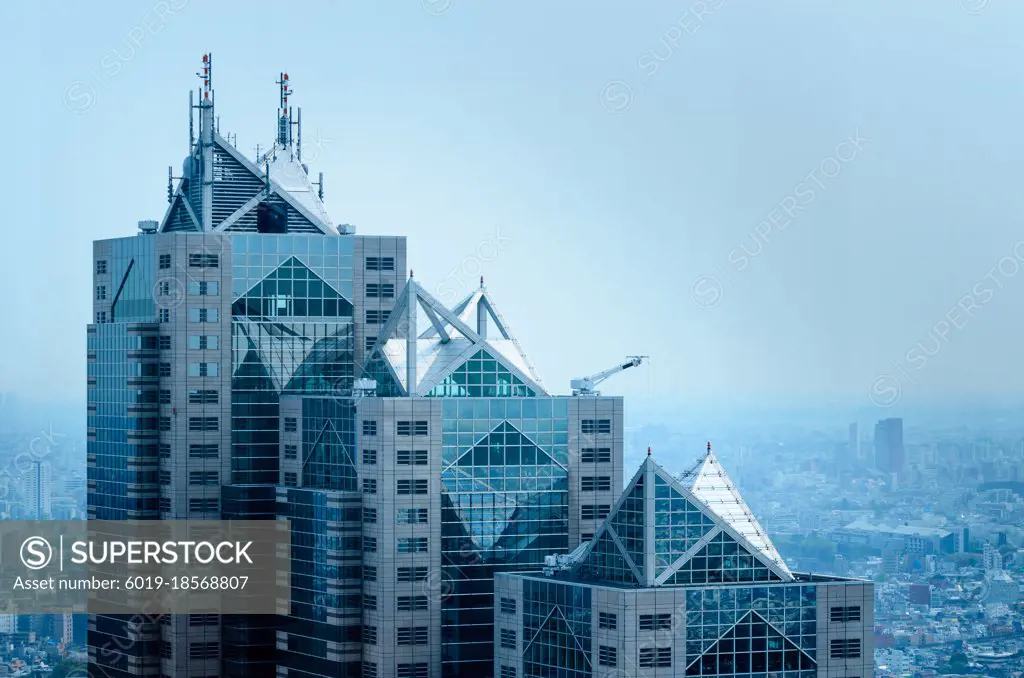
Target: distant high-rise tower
(854, 441)
(38, 490)
(889, 455)
(992, 559)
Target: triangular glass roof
(679, 523)
(446, 351)
(505, 446)
(674, 535)
(376, 368)
(628, 523)
(606, 563)
(711, 487)
(481, 376)
(292, 290)
(722, 561)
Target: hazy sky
(778, 199)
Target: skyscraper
(469, 467)
(681, 580)
(853, 441)
(38, 490)
(242, 292)
(889, 445)
(249, 360)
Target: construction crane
(584, 386)
(562, 562)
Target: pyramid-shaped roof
(455, 355)
(695, 529)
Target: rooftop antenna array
(170, 184)
(205, 74)
(206, 90)
(298, 137)
(207, 130)
(283, 119)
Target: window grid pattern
(628, 524)
(593, 426)
(678, 524)
(844, 614)
(328, 440)
(504, 506)
(844, 648)
(601, 455)
(607, 655)
(712, 614)
(723, 560)
(595, 484)
(482, 377)
(557, 617)
(326, 575)
(291, 332)
(606, 563)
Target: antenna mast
(283, 122)
(207, 129)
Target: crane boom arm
(585, 385)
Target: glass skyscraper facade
(249, 360)
(504, 506)
(122, 350)
(291, 333)
(242, 294)
(322, 638)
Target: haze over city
(567, 339)
(487, 123)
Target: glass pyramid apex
(660, 524)
(424, 343)
(709, 484)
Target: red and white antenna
(206, 75)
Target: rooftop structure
(680, 579)
(701, 512)
(409, 361)
(220, 190)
